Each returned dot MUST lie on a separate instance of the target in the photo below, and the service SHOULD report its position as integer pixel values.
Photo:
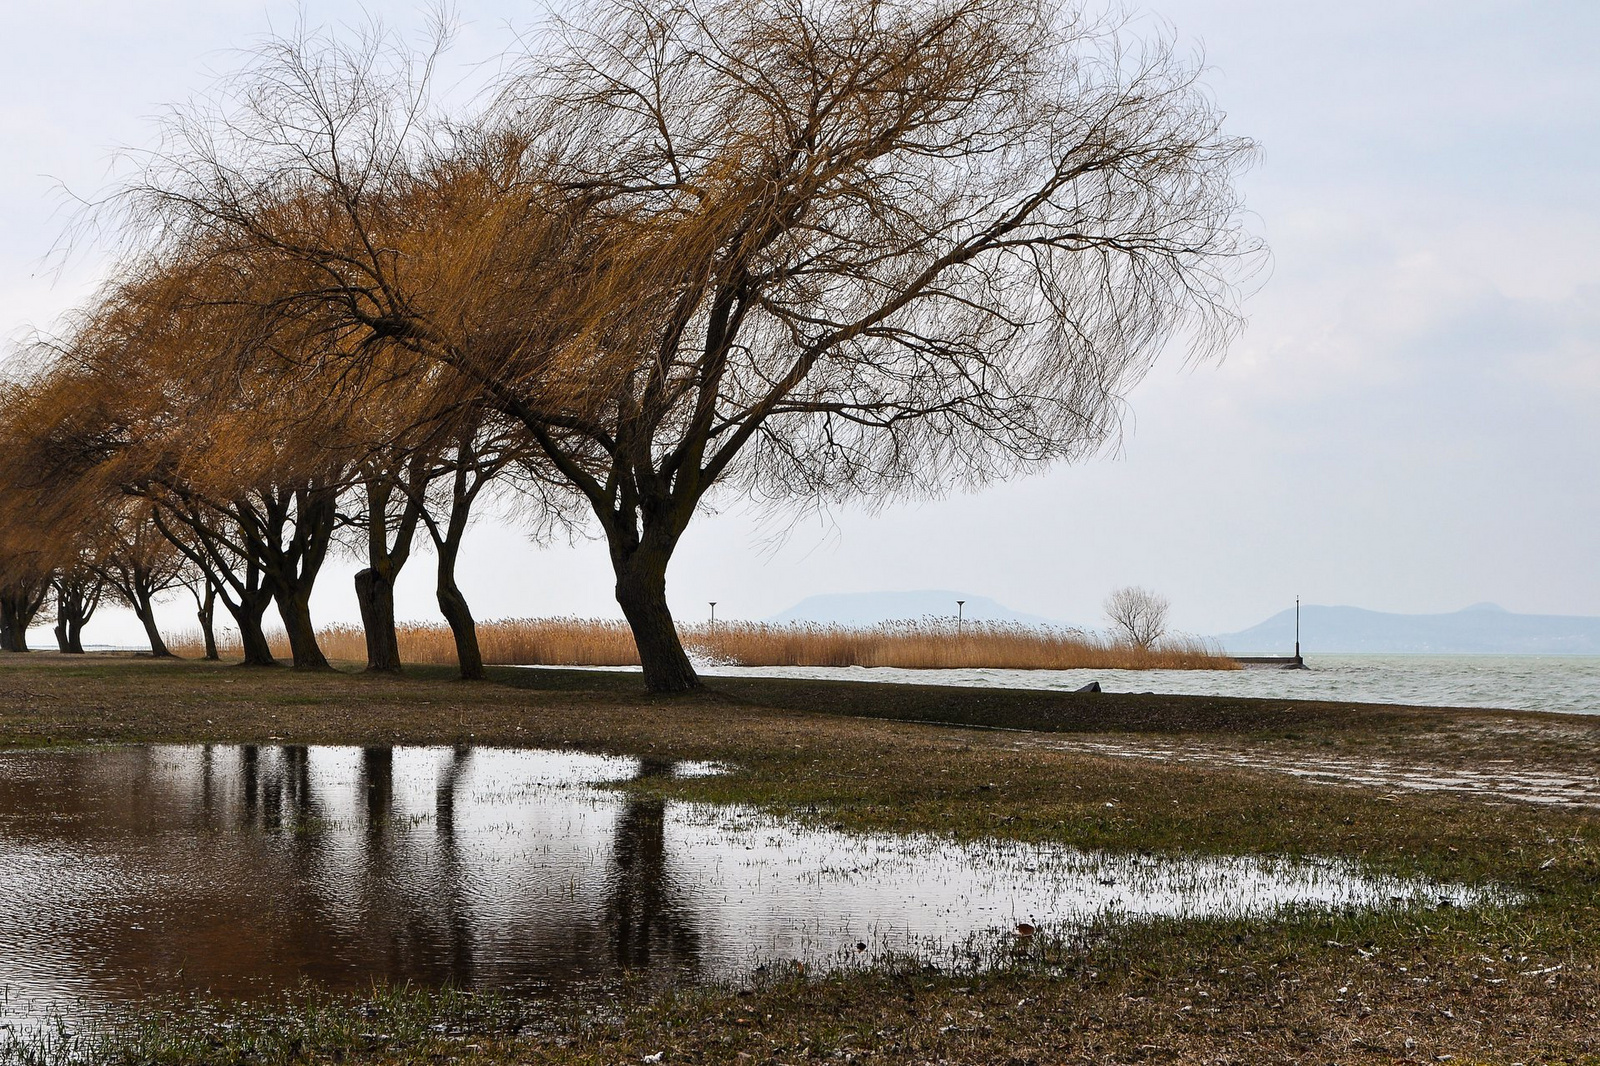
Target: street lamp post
(960, 607)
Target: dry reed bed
(928, 644)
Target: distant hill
(872, 608)
(1483, 627)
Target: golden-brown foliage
(909, 645)
(784, 250)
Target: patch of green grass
(306, 1025)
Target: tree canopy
(794, 251)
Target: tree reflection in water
(133, 871)
(648, 924)
(238, 868)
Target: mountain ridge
(1482, 628)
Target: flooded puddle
(235, 870)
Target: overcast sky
(1410, 423)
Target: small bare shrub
(1138, 615)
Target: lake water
(1569, 684)
(138, 871)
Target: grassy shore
(1494, 984)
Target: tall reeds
(939, 643)
(928, 644)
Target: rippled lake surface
(136, 871)
(1569, 684)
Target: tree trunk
(247, 616)
(375, 594)
(375, 584)
(76, 600)
(257, 650)
(287, 535)
(8, 625)
(19, 637)
(207, 614)
(146, 612)
(158, 647)
(295, 611)
(642, 594)
(17, 611)
(453, 605)
(63, 644)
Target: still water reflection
(135, 871)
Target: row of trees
(792, 251)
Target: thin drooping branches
(893, 247)
(788, 251)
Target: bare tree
(893, 246)
(172, 389)
(788, 250)
(319, 163)
(1137, 614)
(236, 580)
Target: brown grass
(909, 645)
(937, 644)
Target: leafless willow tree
(1137, 615)
(169, 404)
(787, 250)
(893, 246)
(402, 257)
